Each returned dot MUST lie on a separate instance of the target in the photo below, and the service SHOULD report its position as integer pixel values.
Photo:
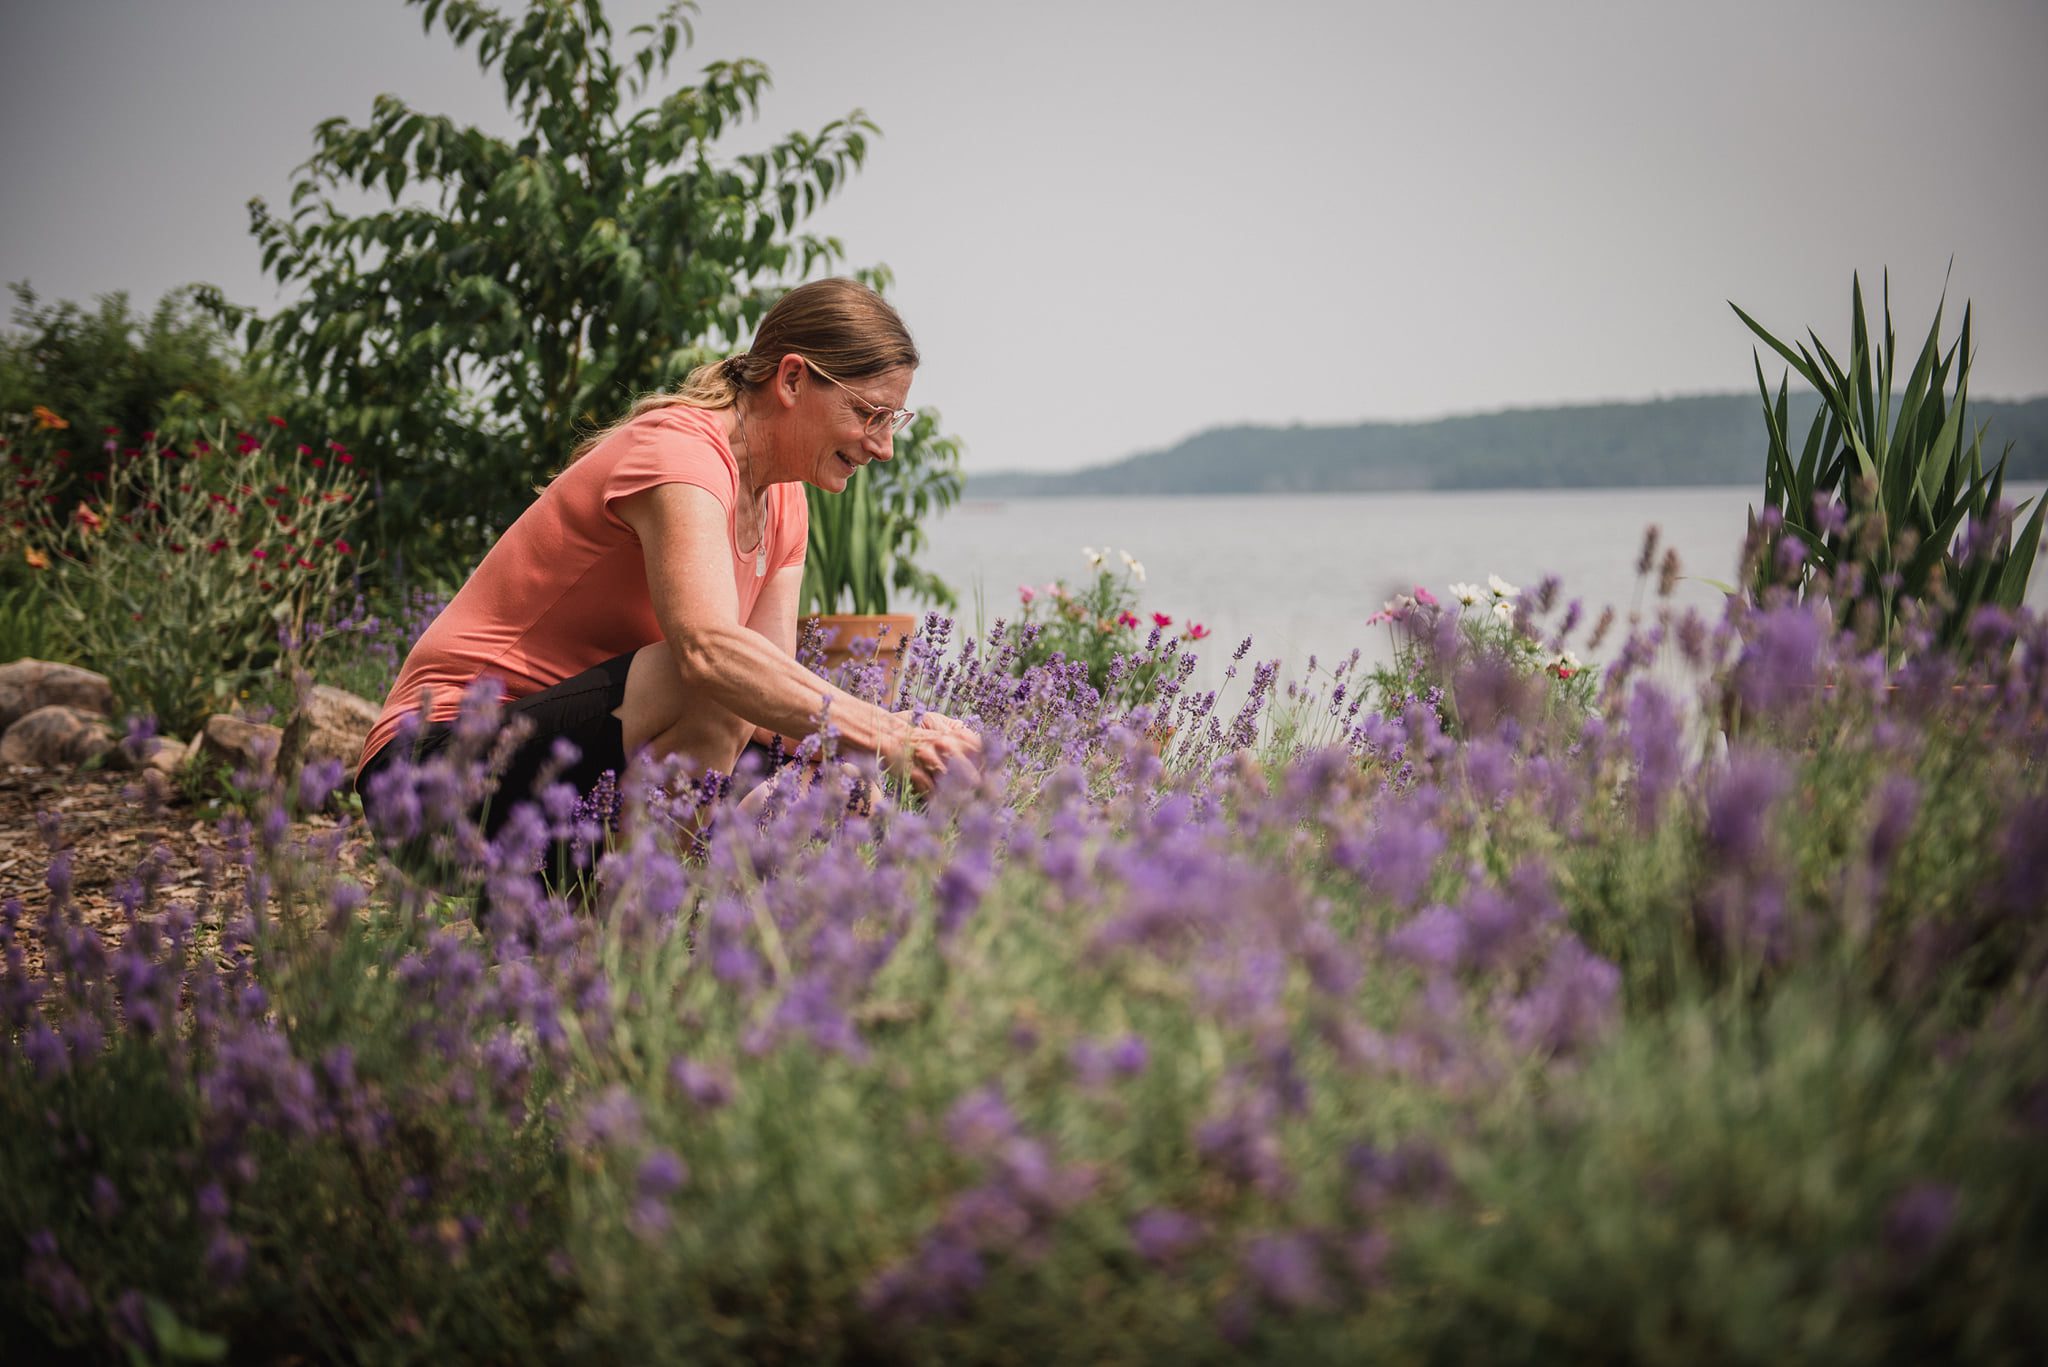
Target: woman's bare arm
(682, 531)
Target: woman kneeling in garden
(648, 597)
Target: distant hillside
(1709, 439)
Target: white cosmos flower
(1502, 611)
(1131, 564)
(1501, 587)
(1468, 594)
(1094, 557)
(1564, 659)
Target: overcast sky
(1118, 222)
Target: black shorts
(578, 710)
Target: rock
(161, 753)
(56, 737)
(167, 756)
(241, 745)
(338, 722)
(26, 685)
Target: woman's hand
(934, 744)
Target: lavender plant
(1542, 1037)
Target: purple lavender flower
(1740, 804)
(1571, 1005)
(1287, 1271)
(1919, 1221)
(979, 1121)
(1780, 664)
(703, 1084)
(662, 1173)
(1397, 859)
(1161, 1235)
(1655, 738)
(1434, 939)
(226, 1259)
(1898, 803)
(53, 1279)
(613, 1118)
(1097, 1063)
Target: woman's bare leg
(658, 713)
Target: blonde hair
(848, 329)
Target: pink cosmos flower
(1196, 631)
(1026, 593)
(1423, 595)
(1160, 619)
(1127, 618)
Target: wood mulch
(108, 823)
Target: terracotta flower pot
(890, 630)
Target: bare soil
(108, 822)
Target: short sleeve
(796, 527)
(679, 446)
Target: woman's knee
(658, 713)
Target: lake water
(1300, 573)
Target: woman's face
(834, 430)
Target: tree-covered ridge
(1703, 439)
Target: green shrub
(184, 573)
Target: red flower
(1196, 631)
(96, 476)
(319, 462)
(244, 443)
(110, 431)
(263, 584)
(149, 436)
(202, 447)
(216, 546)
(304, 563)
(276, 421)
(176, 549)
(259, 554)
(347, 459)
(305, 450)
(1160, 619)
(343, 546)
(1127, 618)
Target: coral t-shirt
(565, 588)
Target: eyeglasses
(881, 422)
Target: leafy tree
(463, 345)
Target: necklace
(758, 505)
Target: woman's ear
(789, 378)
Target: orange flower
(88, 519)
(36, 559)
(48, 421)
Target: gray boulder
(57, 737)
(337, 724)
(242, 745)
(26, 685)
